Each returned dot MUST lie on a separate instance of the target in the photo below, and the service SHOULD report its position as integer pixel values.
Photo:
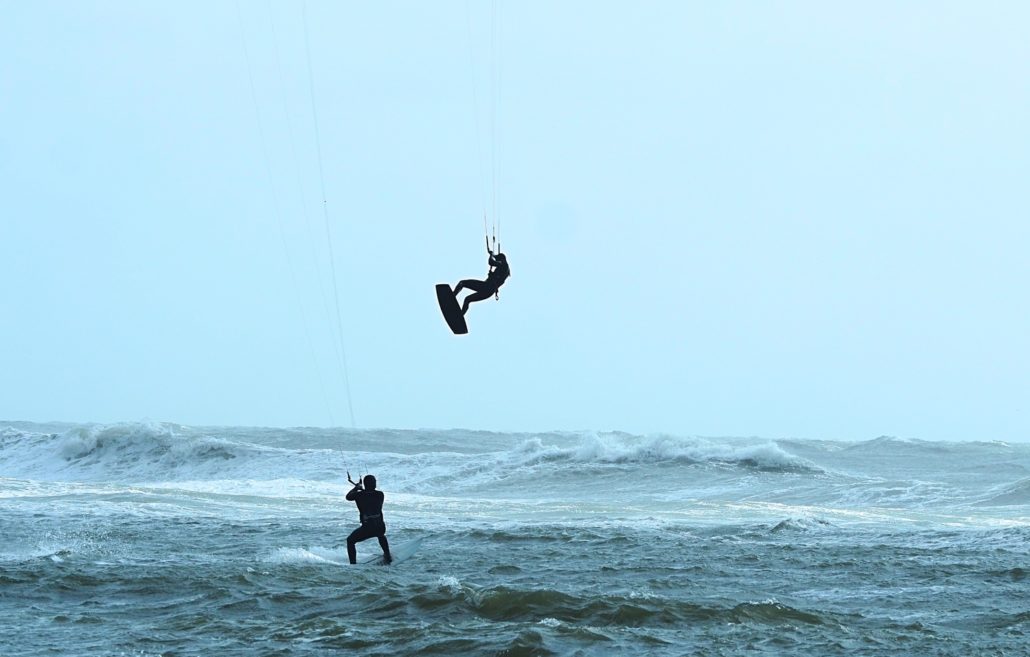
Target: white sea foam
(621, 448)
(317, 554)
(1016, 493)
(58, 545)
(162, 465)
(142, 452)
(449, 583)
(154, 452)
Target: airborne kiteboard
(450, 309)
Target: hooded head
(370, 482)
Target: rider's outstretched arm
(354, 492)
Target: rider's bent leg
(362, 533)
(472, 298)
(471, 284)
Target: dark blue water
(156, 539)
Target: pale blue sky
(779, 219)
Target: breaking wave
(1017, 493)
(129, 451)
(169, 452)
(622, 448)
(312, 463)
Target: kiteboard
(398, 552)
(450, 309)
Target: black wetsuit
(499, 273)
(370, 506)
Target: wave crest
(627, 449)
(508, 603)
(1017, 493)
(136, 450)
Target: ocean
(159, 539)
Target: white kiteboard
(399, 552)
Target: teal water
(158, 539)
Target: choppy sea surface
(160, 539)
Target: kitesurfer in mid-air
(370, 506)
(499, 272)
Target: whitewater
(161, 539)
